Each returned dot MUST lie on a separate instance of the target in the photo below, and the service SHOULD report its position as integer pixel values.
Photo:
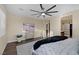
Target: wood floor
(11, 47)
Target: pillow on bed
(48, 40)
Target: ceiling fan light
(43, 14)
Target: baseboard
(12, 41)
(25, 39)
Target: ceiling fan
(44, 12)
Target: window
(2, 23)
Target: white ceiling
(24, 9)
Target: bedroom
(19, 16)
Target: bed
(67, 46)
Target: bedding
(48, 40)
(64, 47)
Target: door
(48, 30)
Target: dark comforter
(48, 40)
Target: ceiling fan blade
(41, 7)
(51, 8)
(48, 14)
(35, 11)
(34, 14)
(52, 12)
(39, 15)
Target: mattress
(66, 47)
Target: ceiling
(24, 9)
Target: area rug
(25, 49)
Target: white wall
(3, 39)
(55, 26)
(15, 25)
(75, 21)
